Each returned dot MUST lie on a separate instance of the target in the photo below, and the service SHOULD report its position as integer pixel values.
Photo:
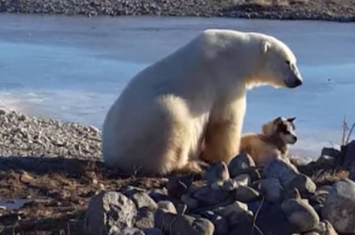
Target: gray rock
(266, 222)
(229, 185)
(211, 197)
(175, 224)
(243, 179)
(330, 152)
(339, 208)
(281, 170)
(221, 226)
(246, 194)
(145, 218)
(141, 199)
(152, 231)
(108, 209)
(189, 201)
(240, 164)
(312, 233)
(329, 228)
(167, 206)
(127, 231)
(159, 194)
(217, 173)
(303, 183)
(237, 213)
(349, 158)
(300, 214)
(272, 189)
(181, 208)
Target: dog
(272, 143)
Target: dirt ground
(58, 191)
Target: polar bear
(190, 105)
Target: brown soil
(58, 190)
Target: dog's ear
(278, 120)
(291, 119)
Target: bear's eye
(288, 62)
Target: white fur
(192, 103)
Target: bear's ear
(265, 46)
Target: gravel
(335, 10)
(22, 135)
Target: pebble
(28, 136)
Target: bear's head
(278, 64)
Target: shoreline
(316, 10)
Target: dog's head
(283, 128)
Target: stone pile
(229, 199)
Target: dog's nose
(298, 82)
(295, 138)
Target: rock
(300, 214)
(237, 213)
(246, 194)
(217, 173)
(330, 152)
(159, 194)
(189, 201)
(210, 197)
(177, 186)
(320, 196)
(127, 231)
(221, 226)
(326, 160)
(303, 183)
(175, 224)
(272, 189)
(281, 170)
(181, 208)
(229, 185)
(329, 228)
(240, 164)
(243, 179)
(167, 206)
(108, 209)
(141, 199)
(312, 233)
(152, 231)
(349, 157)
(339, 208)
(266, 222)
(145, 218)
